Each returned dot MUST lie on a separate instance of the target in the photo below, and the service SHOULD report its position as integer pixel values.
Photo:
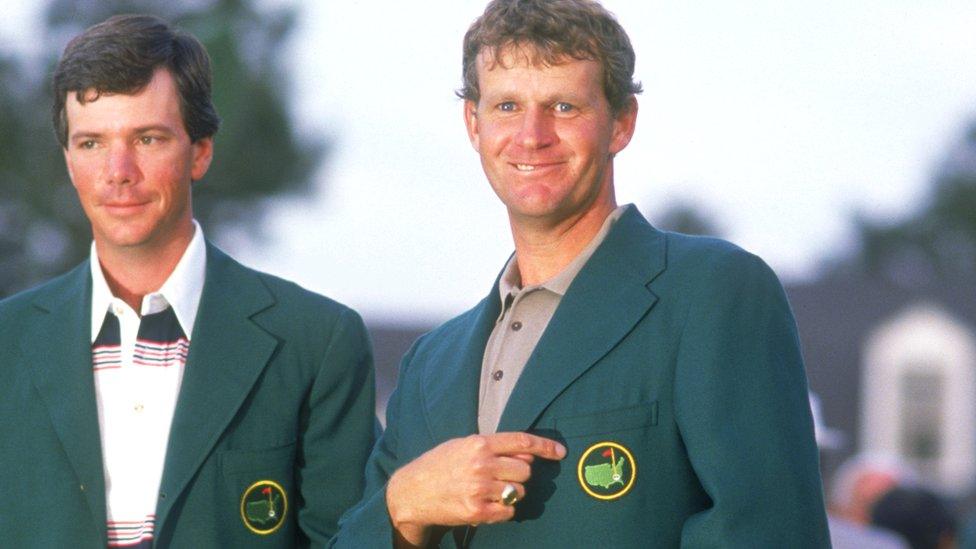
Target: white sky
(780, 118)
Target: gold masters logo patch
(606, 470)
(263, 507)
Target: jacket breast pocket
(238, 462)
(608, 421)
(258, 495)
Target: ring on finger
(509, 494)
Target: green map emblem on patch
(263, 507)
(606, 470)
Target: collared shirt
(525, 313)
(138, 362)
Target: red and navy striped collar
(181, 291)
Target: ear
(202, 155)
(471, 123)
(624, 123)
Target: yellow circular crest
(263, 507)
(606, 470)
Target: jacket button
(498, 375)
(516, 325)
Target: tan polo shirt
(524, 316)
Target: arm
(338, 428)
(742, 409)
(455, 483)
(367, 524)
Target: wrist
(406, 527)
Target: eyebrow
(138, 131)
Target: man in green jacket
(161, 394)
(619, 386)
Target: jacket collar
(604, 302)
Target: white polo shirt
(137, 381)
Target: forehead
(519, 66)
(522, 54)
(156, 102)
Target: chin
(126, 238)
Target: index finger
(515, 443)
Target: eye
(87, 144)
(563, 107)
(147, 140)
(507, 106)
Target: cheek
(84, 173)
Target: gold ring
(509, 495)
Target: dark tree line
(937, 242)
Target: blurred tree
(685, 217)
(258, 150)
(938, 241)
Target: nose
(121, 166)
(537, 130)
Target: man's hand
(461, 481)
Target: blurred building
(895, 368)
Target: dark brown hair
(120, 55)
(549, 31)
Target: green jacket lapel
(452, 379)
(607, 298)
(227, 354)
(59, 344)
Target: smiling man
(619, 386)
(161, 394)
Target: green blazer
(672, 373)
(278, 388)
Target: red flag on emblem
(266, 491)
(607, 453)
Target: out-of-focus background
(837, 140)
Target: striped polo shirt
(138, 362)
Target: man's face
(132, 163)
(546, 135)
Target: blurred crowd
(880, 502)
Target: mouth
(124, 208)
(528, 168)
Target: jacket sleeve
(338, 426)
(743, 413)
(367, 525)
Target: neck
(543, 252)
(134, 272)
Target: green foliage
(258, 152)
(938, 241)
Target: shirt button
(138, 408)
(497, 375)
(516, 325)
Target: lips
(124, 207)
(529, 167)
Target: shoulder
(301, 303)
(286, 309)
(446, 342)
(47, 293)
(297, 302)
(709, 260)
(706, 252)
